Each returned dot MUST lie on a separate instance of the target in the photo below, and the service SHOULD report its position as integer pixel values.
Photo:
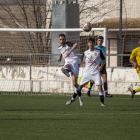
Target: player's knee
(105, 80)
(68, 67)
(100, 88)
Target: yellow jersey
(136, 55)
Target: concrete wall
(50, 79)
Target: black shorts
(103, 71)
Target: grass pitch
(41, 117)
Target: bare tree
(95, 11)
(27, 14)
(37, 14)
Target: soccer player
(135, 55)
(103, 71)
(92, 68)
(72, 62)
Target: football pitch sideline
(46, 117)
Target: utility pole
(120, 36)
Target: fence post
(30, 72)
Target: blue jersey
(103, 49)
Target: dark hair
(91, 39)
(100, 37)
(62, 35)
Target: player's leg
(66, 70)
(101, 94)
(136, 90)
(98, 82)
(75, 84)
(104, 76)
(133, 91)
(77, 92)
(77, 89)
(75, 72)
(67, 67)
(89, 89)
(85, 79)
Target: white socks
(101, 93)
(78, 88)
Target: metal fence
(18, 75)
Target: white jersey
(92, 60)
(72, 57)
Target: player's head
(100, 40)
(62, 39)
(91, 43)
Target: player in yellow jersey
(135, 55)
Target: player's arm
(73, 48)
(83, 59)
(132, 57)
(104, 55)
(60, 57)
(103, 61)
(133, 62)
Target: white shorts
(95, 77)
(74, 67)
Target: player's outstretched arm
(60, 57)
(73, 48)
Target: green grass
(45, 117)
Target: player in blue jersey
(103, 71)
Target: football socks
(105, 86)
(102, 98)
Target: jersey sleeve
(83, 57)
(101, 55)
(133, 55)
(59, 47)
(70, 44)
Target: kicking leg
(66, 70)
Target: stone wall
(51, 80)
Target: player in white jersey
(103, 71)
(72, 62)
(93, 68)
